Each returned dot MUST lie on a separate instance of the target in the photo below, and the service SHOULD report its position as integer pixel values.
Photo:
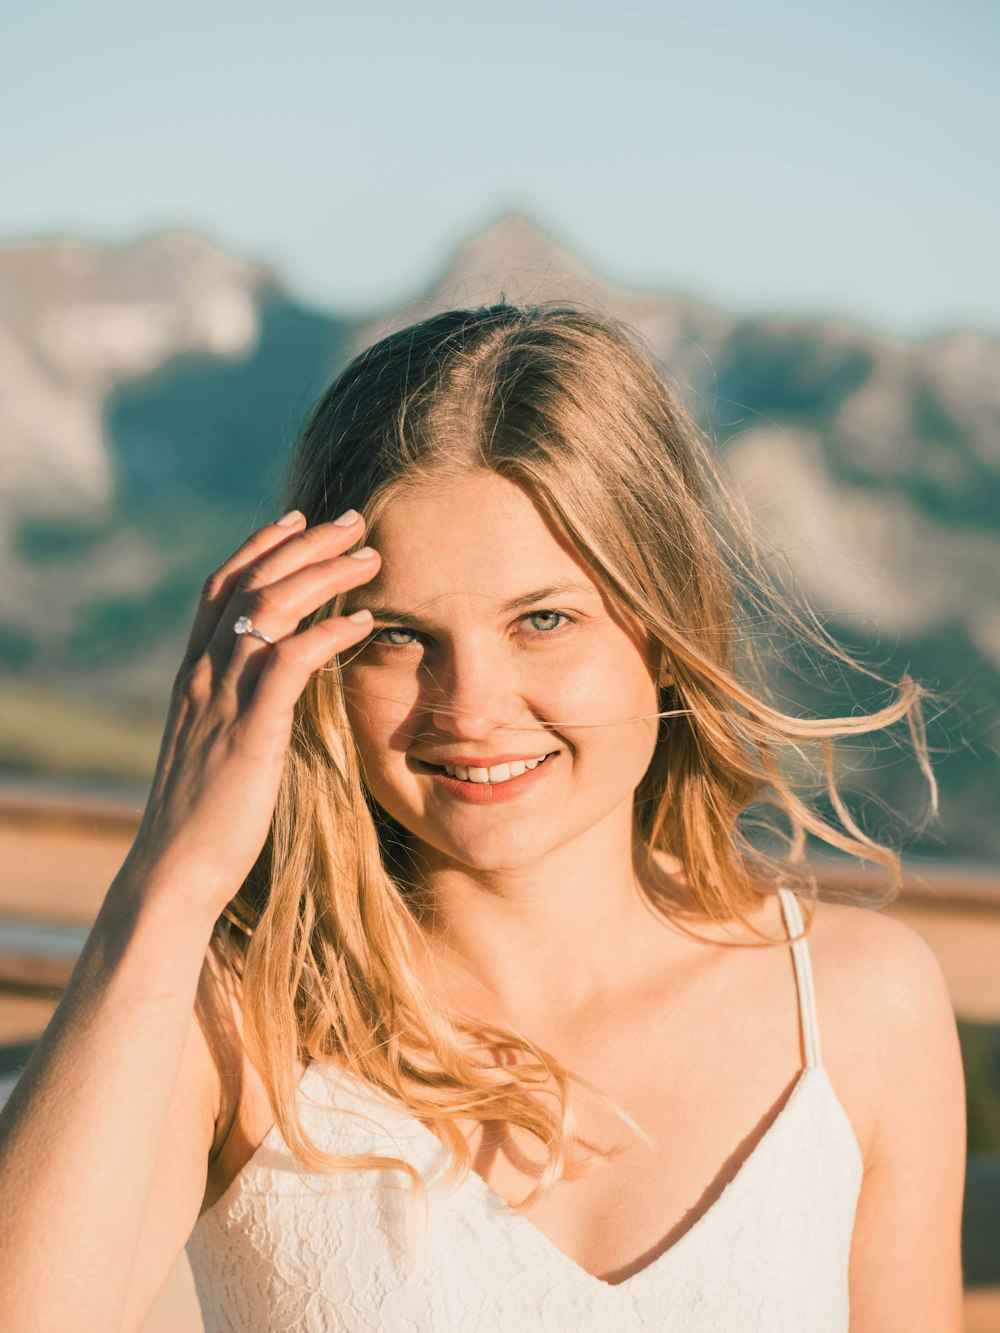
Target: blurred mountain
(150, 396)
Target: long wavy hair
(323, 936)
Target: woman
(441, 988)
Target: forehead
(479, 537)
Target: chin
(492, 850)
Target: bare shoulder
(876, 949)
(891, 968)
(894, 1042)
(886, 1018)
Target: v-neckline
(518, 1222)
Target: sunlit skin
(536, 897)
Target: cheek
(620, 727)
(358, 715)
(613, 698)
(378, 704)
(384, 718)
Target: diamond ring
(245, 626)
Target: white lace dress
(287, 1249)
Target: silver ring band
(245, 626)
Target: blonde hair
(573, 407)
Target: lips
(492, 763)
(491, 793)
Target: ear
(664, 678)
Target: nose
(473, 693)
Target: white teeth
(499, 772)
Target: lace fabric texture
(285, 1248)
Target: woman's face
(469, 676)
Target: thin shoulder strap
(803, 977)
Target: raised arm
(122, 1070)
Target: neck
(523, 944)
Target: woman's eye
(376, 636)
(545, 630)
(535, 615)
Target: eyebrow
(405, 618)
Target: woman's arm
(120, 1088)
(906, 1263)
(81, 1132)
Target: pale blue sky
(835, 158)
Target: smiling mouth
(440, 768)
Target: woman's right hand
(232, 705)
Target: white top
(285, 1248)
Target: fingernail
(363, 554)
(359, 617)
(347, 518)
(291, 517)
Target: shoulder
(894, 1033)
(889, 965)
(888, 1013)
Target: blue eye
(533, 614)
(375, 636)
